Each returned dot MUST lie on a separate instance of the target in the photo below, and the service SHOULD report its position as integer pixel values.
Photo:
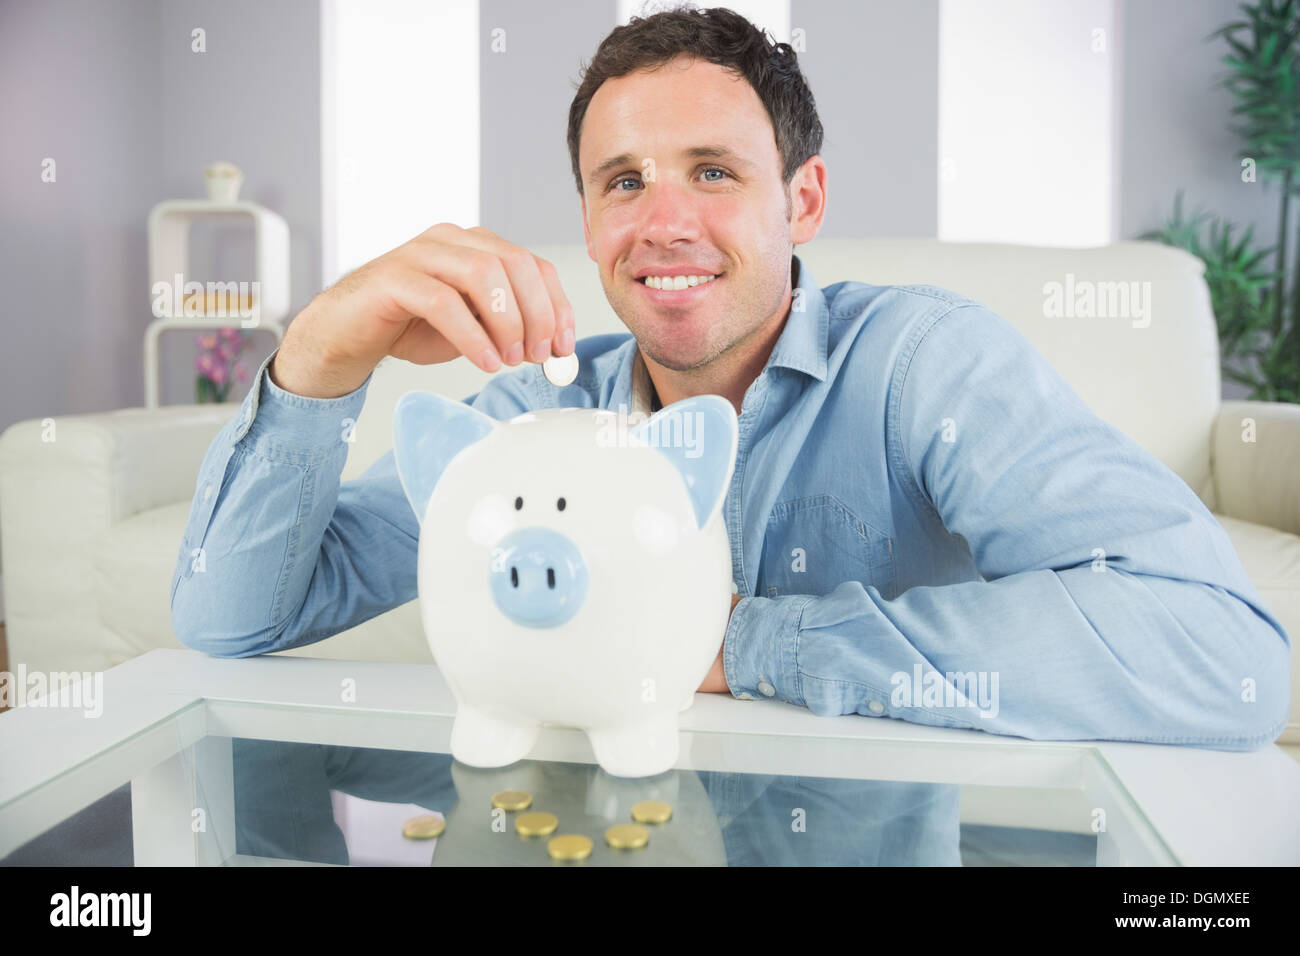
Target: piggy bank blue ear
(428, 432)
(699, 436)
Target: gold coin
(536, 824)
(627, 836)
(423, 828)
(570, 846)
(651, 811)
(512, 800)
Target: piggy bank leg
(643, 749)
(481, 740)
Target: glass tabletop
(303, 785)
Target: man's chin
(678, 359)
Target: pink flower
(218, 375)
(207, 341)
(226, 350)
(205, 364)
(230, 334)
(241, 373)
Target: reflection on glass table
(311, 803)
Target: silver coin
(561, 370)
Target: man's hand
(448, 292)
(715, 682)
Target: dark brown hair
(716, 35)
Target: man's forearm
(1075, 654)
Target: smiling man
(919, 500)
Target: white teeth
(677, 282)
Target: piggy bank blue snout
(538, 577)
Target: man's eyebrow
(695, 152)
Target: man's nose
(669, 210)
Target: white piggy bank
(573, 569)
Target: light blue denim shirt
(926, 523)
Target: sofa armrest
(114, 464)
(1255, 459)
(66, 480)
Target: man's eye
(633, 178)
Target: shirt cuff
(284, 426)
(760, 650)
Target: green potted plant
(1256, 300)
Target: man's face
(663, 210)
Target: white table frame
(168, 717)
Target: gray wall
(1175, 119)
(1175, 126)
(114, 94)
(80, 86)
(873, 68)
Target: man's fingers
(561, 345)
(482, 280)
(530, 289)
(443, 308)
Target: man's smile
(677, 290)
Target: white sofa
(90, 523)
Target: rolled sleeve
(760, 650)
(281, 425)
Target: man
(926, 522)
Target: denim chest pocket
(814, 544)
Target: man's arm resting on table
(1162, 640)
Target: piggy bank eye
(519, 504)
(560, 504)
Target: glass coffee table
(295, 761)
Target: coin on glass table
(651, 811)
(570, 846)
(512, 800)
(561, 370)
(627, 836)
(536, 824)
(423, 828)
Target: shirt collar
(801, 345)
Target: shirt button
(766, 689)
(876, 707)
(207, 492)
(734, 589)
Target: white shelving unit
(169, 231)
